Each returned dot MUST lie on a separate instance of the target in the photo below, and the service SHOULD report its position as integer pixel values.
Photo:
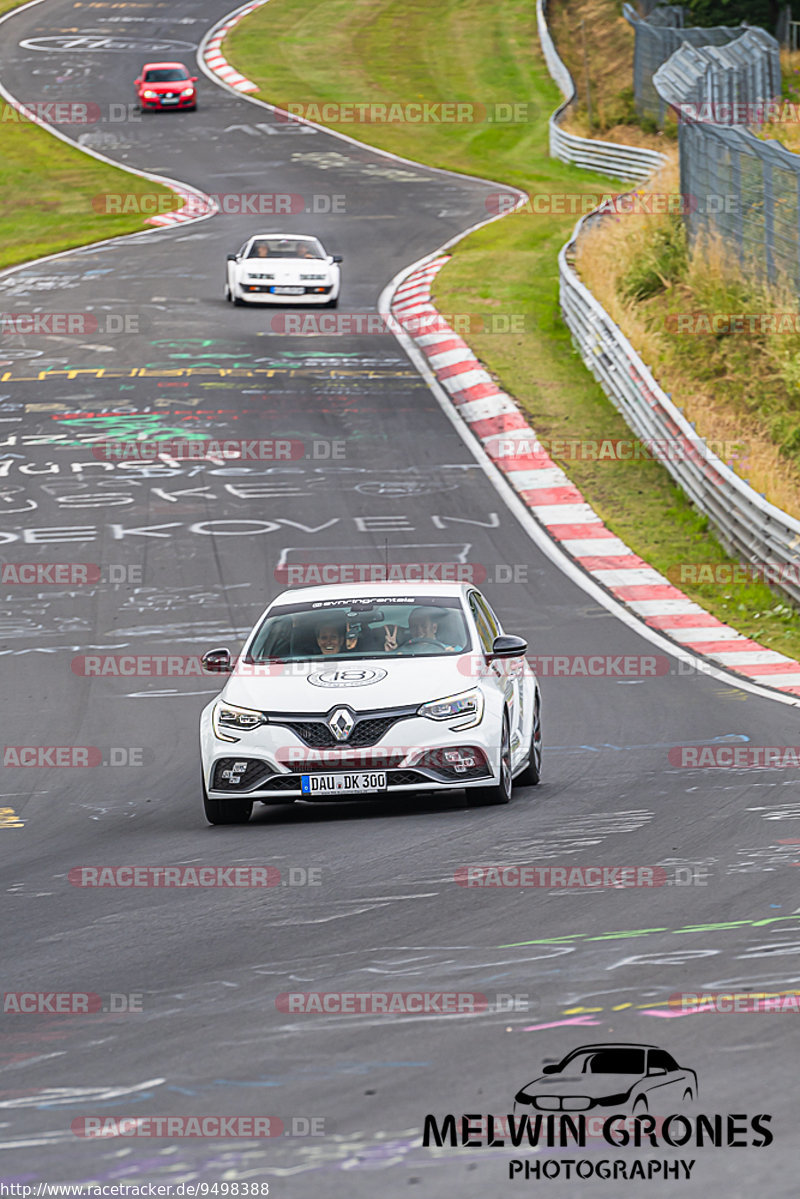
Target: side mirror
(193, 79)
(136, 82)
(217, 661)
(507, 647)
(550, 1069)
(232, 258)
(656, 1070)
(336, 258)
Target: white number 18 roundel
(344, 677)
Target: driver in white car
(423, 625)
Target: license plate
(288, 291)
(332, 784)
(169, 100)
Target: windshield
(285, 247)
(166, 75)
(606, 1061)
(408, 627)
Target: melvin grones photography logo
(604, 1097)
(629, 1078)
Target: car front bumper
(257, 294)
(416, 755)
(165, 106)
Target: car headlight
(188, 91)
(228, 719)
(466, 707)
(150, 95)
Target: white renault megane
(372, 689)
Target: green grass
(408, 50)
(47, 190)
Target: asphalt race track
(188, 554)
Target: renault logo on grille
(341, 723)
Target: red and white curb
(216, 61)
(510, 442)
(195, 205)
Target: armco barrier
(719, 91)
(750, 527)
(607, 158)
(658, 35)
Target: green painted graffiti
(150, 427)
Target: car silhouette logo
(341, 723)
(625, 1077)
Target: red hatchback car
(165, 85)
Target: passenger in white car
(330, 637)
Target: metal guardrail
(658, 36)
(749, 526)
(746, 188)
(606, 158)
(732, 81)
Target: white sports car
(345, 691)
(276, 268)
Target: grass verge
(48, 188)
(735, 382)
(347, 51)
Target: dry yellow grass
(605, 255)
(609, 46)
(786, 128)
(609, 58)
